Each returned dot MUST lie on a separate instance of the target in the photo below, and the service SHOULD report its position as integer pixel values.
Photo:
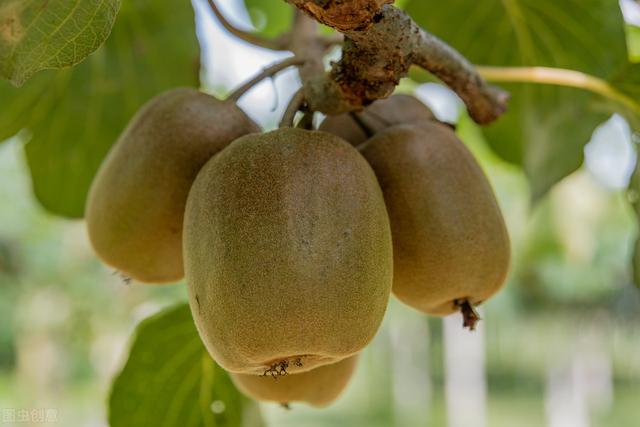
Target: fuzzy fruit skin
(318, 387)
(287, 252)
(449, 238)
(395, 110)
(136, 204)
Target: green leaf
(170, 380)
(585, 35)
(39, 34)
(555, 131)
(627, 82)
(546, 127)
(633, 42)
(270, 17)
(75, 115)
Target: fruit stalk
(357, 117)
(267, 72)
(297, 101)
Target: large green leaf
(170, 380)
(552, 125)
(546, 127)
(586, 35)
(39, 34)
(75, 115)
(271, 17)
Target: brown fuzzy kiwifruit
(288, 252)
(136, 204)
(318, 387)
(450, 243)
(395, 110)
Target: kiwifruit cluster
(292, 240)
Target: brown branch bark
(381, 43)
(343, 15)
(484, 102)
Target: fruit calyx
(469, 314)
(279, 369)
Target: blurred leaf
(270, 17)
(636, 263)
(627, 81)
(75, 115)
(8, 261)
(633, 42)
(554, 124)
(546, 128)
(170, 380)
(35, 35)
(633, 195)
(585, 35)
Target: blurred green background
(558, 347)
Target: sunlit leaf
(39, 34)
(73, 116)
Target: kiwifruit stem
(306, 122)
(267, 72)
(469, 314)
(294, 105)
(379, 118)
(357, 117)
(381, 43)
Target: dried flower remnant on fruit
(318, 387)
(469, 314)
(277, 369)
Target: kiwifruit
(395, 110)
(136, 203)
(450, 242)
(318, 387)
(288, 252)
